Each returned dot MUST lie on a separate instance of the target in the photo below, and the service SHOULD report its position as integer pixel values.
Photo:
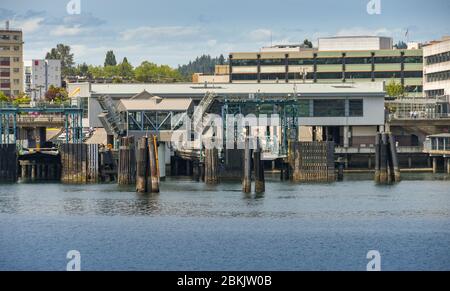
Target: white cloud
(260, 34)
(62, 30)
(28, 25)
(211, 42)
(356, 31)
(159, 32)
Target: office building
(11, 61)
(40, 75)
(436, 69)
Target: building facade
(330, 66)
(40, 75)
(11, 61)
(436, 79)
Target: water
(192, 226)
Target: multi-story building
(436, 69)
(11, 61)
(338, 59)
(40, 75)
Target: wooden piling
(394, 157)
(127, 161)
(259, 169)
(383, 159)
(143, 184)
(377, 157)
(154, 164)
(79, 163)
(8, 163)
(211, 166)
(247, 175)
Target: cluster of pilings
(386, 161)
(211, 166)
(126, 174)
(147, 165)
(8, 163)
(31, 170)
(79, 163)
(258, 166)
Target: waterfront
(193, 226)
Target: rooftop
(155, 103)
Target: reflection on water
(193, 226)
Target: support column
(346, 138)
(246, 180)
(448, 165)
(434, 165)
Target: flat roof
(155, 104)
(440, 135)
(188, 90)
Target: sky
(175, 31)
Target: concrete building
(351, 113)
(355, 43)
(40, 75)
(221, 75)
(436, 80)
(11, 61)
(345, 60)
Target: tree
(151, 73)
(56, 94)
(110, 59)
(3, 97)
(125, 69)
(62, 52)
(395, 89)
(203, 64)
(401, 45)
(221, 60)
(83, 70)
(307, 43)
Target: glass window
(300, 62)
(329, 61)
(303, 108)
(438, 76)
(273, 76)
(245, 62)
(329, 108)
(367, 60)
(272, 62)
(299, 76)
(358, 75)
(388, 60)
(414, 60)
(413, 74)
(355, 107)
(337, 75)
(387, 75)
(244, 77)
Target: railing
(418, 115)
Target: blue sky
(176, 31)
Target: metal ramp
(110, 117)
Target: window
(413, 74)
(16, 81)
(4, 48)
(16, 70)
(16, 37)
(272, 62)
(243, 77)
(238, 63)
(4, 37)
(299, 76)
(358, 75)
(329, 61)
(16, 92)
(413, 60)
(303, 108)
(16, 48)
(337, 75)
(411, 89)
(388, 60)
(300, 62)
(387, 75)
(329, 108)
(273, 76)
(355, 108)
(438, 76)
(438, 58)
(16, 59)
(359, 61)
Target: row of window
(7, 59)
(327, 61)
(8, 48)
(331, 108)
(438, 76)
(438, 58)
(434, 93)
(328, 75)
(8, 37)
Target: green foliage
(22, 99)
(151, 73)
(125, 69)
(62, 52)
(203, 64)
(56, 94)
(395, 89)
(307, 43)
(110, 59)
(401, 45)
(3, 97)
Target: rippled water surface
(193, 226)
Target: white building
(355, 43)
(40, 75)
(436, 77)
